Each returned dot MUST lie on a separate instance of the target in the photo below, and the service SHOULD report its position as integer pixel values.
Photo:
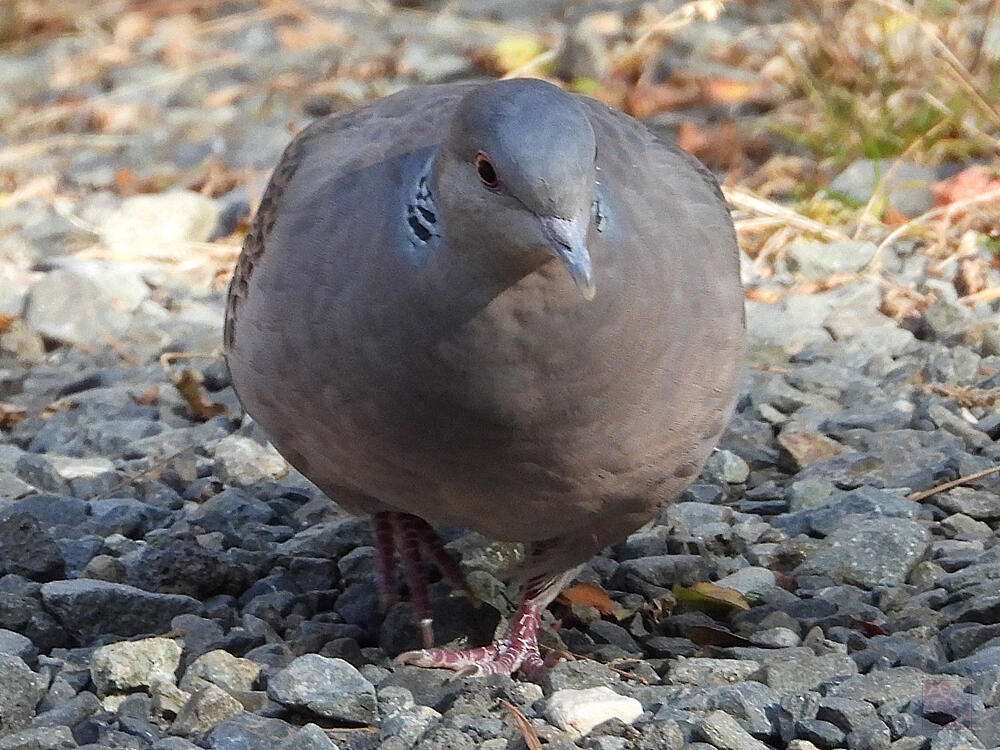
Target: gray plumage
(410, 342)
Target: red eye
(486, 172)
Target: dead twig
(983, 295)
(923, 218)
(524, 726)
(157, 465)
(953, 64)
(768, 213)
(918, 496)
(879, 190)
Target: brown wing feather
(260, 228)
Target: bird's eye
(484, 167)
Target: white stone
(222, 669)
(159, 226)
(166, 698)
(70, 467)
(579, 711)
(122, 285)
(125, 666)
(242, 461)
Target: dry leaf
(691, 138)
(705, 595)
(762, 294)
(870, 628)
(963, 185)
(6, 321)
(60, 404)
(893, 217)
(584, 593)
(10, 415)
(783, 581)
(646, 100)
(659, 609)
(514, 52)
(705, 635)
(728, 91)
(188, 383)
(971, 276)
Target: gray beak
(568, 238)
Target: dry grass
(871, 77)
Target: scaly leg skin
(517, 651)
(414, 539)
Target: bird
(493, 305)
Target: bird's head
(516, 173)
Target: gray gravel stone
(801, 672)
(845, 713)
(894, 684)
(18, 645)
(872, 736)
(39, 738)
(309, 737)
(981, 505)
(89, 608)
(817, 260)
(870, 552)
(28, 550)
(70, 307)
(727, 467)
(331, 688)
(204, 710)
(906, 187)
(72, 712)
(725, 733)
(20, 691)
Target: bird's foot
(414, 539)
(517, 651)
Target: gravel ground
(167, 582)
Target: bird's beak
(568, 238)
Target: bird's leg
(385, 551)
(517, 651)
(412, 538)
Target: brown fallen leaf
(706, 635)
(968, 183)
(6, 321)
(762, 294)
(870, 628)
(584, 593)
(10, 415)
(189, 384)
(60, 404)
(705, 595)
(783, 581)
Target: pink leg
(413, 538)
(517, 651)
(385, 560)
(408, 543)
